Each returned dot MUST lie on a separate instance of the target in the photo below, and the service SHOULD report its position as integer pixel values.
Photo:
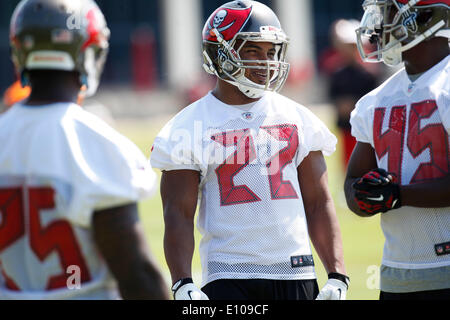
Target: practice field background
(362, 237)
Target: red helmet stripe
(227, 21)
(427, 2)
(92, 29)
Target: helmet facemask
(93, 64)
(394, 28)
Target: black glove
(377, 192)
(377, 177)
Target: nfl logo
(294, 262)
(411, 87)
(440, 250)
(247, 116)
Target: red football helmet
(247, 21)
(395, 26)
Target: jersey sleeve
(361, 122)
(108, 171)
(175, 148)
(444, 110)
(314, 136)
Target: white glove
(185, 289)
(334, 289)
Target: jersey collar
(411, 86)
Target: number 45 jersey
(251, 213)
(58, 165)
(408, 124)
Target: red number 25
(57, 236)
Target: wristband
(339, 276)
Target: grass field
(362, 238)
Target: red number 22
(230, 194)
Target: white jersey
(251, 212)
(408, 125)
(59, 164)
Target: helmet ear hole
(424, 16)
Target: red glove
(377, 192)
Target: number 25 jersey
(251, 213)
(408, 124)
(58, 165)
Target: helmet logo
(222, 56)
(219, 18)
(227, 21)
(410, 22)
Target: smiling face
(261, 51)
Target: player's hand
(377, 177)
(185, 289)
(377, 192)
(335, 288)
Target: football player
(400, 166)
(256, 158)
(69, 183)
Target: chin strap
(249, 92)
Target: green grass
(362, 238)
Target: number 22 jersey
(251, 213)
(408, 124)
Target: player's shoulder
(293, 109)
(86, 122)
(284, 104)
(42, 118)
(440, 77)
(190, 115)
(388, 87)
(284, 100)
(90, 132)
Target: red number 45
(57, 236)
(432, 136)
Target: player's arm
(431, 194)
(362, 161)
(179, 193)
(120, 238)
(323, 225)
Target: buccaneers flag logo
(227, 21)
